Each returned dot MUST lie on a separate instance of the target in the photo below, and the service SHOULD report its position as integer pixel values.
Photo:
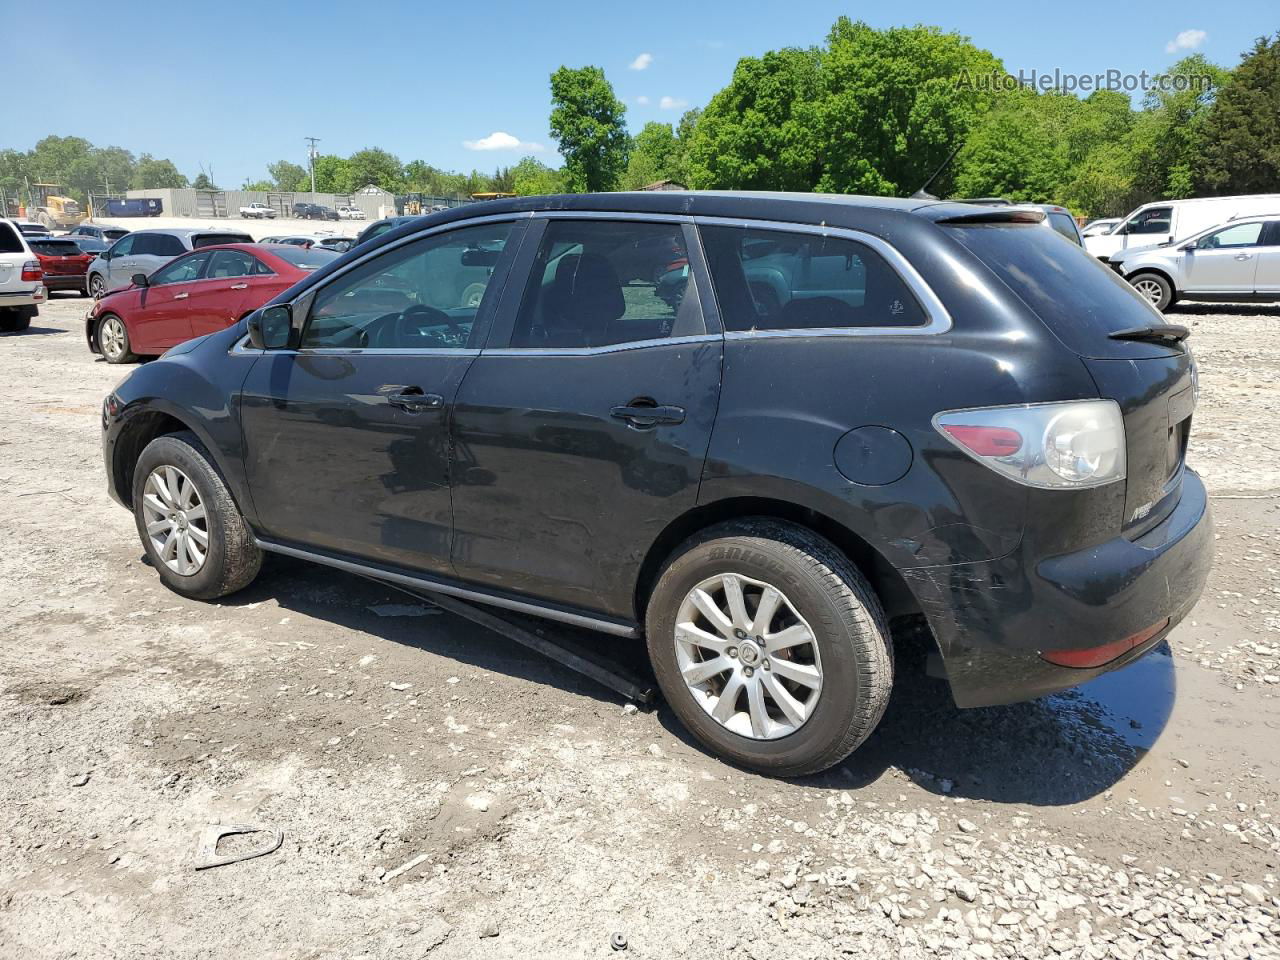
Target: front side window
(424, 295)
(1239, 235)
(234, 263)
(124, 246)
(778, 280)
(182, 270)
(597, 283)
(1155, 220)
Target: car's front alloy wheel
(113, 340)
(97, 287)
(1153, 288)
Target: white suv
(21, 280)
(350, 213)
(1237, 261)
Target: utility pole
(311, 156)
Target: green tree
(1168, 139)
(265, 186)
(588, 122)
(287, 175)
(202, 182)
(655, 155)
(150, 174)
(376, 166)
(1241, 132)
(333, 175)
(531, 177)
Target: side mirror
(271, 328)
(140, 280)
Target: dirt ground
(444, 793)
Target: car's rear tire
(190, 527)
(798, 706)
(113, 340)
(97, 286)
(1155, 288)
(16, 319)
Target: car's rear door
(581, 430)
(1266, 281)
(347, 436)
(227, 291)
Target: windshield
(304, 259)
(1078, 297)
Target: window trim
(939, 319)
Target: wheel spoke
(192, 551)
(792, 636)
(195, 513)
(697, 637)
(161, 487)
(704, 670)
(799, 672)
(769, 601)
(170, 549)
(727, 705)
(737, 604)
(153, 502)
(189, 496)
(760, 721)
(158, 526)
(199, 537)
(789, 705)
(172, 482)
(702, 600)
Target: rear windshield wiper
(1158, 332)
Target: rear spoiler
(961, 215)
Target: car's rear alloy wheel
(770, 646)
(1155, 289)
(749, 659)
(113, 340)
(176, 520)
(189, 524)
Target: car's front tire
(1155, 288)
(770, 646)
(191, 529)
(113, 340)
(97, 286)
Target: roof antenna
(922, 193)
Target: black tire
(825, 589)
(16, 319)
(125, 354)
(233, 559)
(97, 286)
(1155, 281)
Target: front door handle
(1244, 256)
(640, 413)
(413, 400)
(181, 296)
(239, 286)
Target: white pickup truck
(257, 210)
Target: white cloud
(1186, 40)
(500, 140)
(641, 62)
(642, 100)
(672, 103)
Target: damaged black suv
(751, 428)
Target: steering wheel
(406, 329)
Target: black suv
(755, 429)
(314, 211)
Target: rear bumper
(31, 297)
(994, 619)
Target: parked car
(314, 211)
(350, 213)
(758, 488)
(379, 227)
(1100, 227)
(1169, 221)
(145, 251)
(198, 293)
(99, 231)
(258, 210)
(29, 228)
(64, 264)
(21, 280)
(292, 239)
(336, 244)
(1237, 261)
(91, 245)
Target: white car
(1100, 227)
(257, 211)
(350, 213)
(1237, 262)
(1168, 221)
(21, 280)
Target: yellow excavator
(52, 207)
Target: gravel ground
(442, 792)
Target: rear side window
(217, 239)
(597, 283)
(10, 242)
(234, 263)
(157, 245)
(1064, 225)
(779, 280)
(1082, 300)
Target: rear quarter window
(10, 242)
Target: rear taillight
(31, 271)
(1076, 443)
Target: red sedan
(198, 293)
(63, 262)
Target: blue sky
(232, 86)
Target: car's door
(348, 435)
(121, 263)
(163, 317)
(1146, 229)
(227, 290)
(1266, 281)
(1224, 261)
(581, 429)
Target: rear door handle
(648, 414)
(239, 286)
(413, 400)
